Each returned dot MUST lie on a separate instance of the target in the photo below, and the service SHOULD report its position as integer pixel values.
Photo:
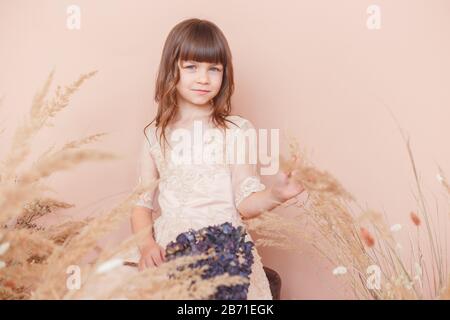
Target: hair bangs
(202, 44)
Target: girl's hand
(152, 255)
(284, 187)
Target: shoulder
(150, 129)
(150, 135)
(239, 122)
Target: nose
(203, 77)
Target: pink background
(311, 68)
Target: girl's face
(199, 82)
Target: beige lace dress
(201, 193)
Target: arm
(251, 196)
(283, 189)
(141, 217)
(257, 203)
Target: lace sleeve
(148, 174)
(245, 177)
(247, 187)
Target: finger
(149, 262)
(157, 258)
(284, 175)
(295, 160)
(296, 157)
(290, 167)
(141, 264)
(163, 254)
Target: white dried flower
(440, 178)
(4, 247)
(408, 285)
(109, 265)
(396, 227)
(339, 270)
(418, 272)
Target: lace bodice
(199, 194)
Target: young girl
(194, 86)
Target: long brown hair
(198, 40)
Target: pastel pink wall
(310, 67)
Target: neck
(188, 111)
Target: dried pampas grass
(357, 242)
(40, 262)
